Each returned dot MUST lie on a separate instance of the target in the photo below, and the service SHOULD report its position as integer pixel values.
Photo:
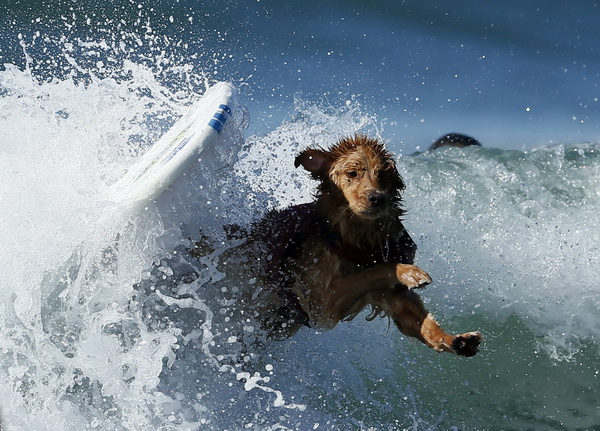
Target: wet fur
(359, 194)
(345, 200)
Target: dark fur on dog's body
(326, 261)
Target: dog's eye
(352, 174)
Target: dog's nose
(377, 198)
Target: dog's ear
(317, 162)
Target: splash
(78, 351)
(520, 228)
(119, 327)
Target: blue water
(137, 335)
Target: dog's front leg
(406, 310)
(344, 293)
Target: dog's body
(325, 261)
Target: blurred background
(514, 74)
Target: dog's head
(357, 172)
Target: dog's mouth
(372, 205)
(371, 211)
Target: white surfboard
(177, 149)
(144, 182)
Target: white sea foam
(520, 229)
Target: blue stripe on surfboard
(216, 124)
(225, 108)
(220, 118)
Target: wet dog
(325, 261)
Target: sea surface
(115, 326)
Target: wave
(118, 326)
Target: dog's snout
(377, 198)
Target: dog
(325, 261)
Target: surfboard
(177, 149)
(149, 177)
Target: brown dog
(326, 261)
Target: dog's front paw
(412, 276)
(467, 344)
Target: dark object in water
(454, 140)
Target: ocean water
(115, 326)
